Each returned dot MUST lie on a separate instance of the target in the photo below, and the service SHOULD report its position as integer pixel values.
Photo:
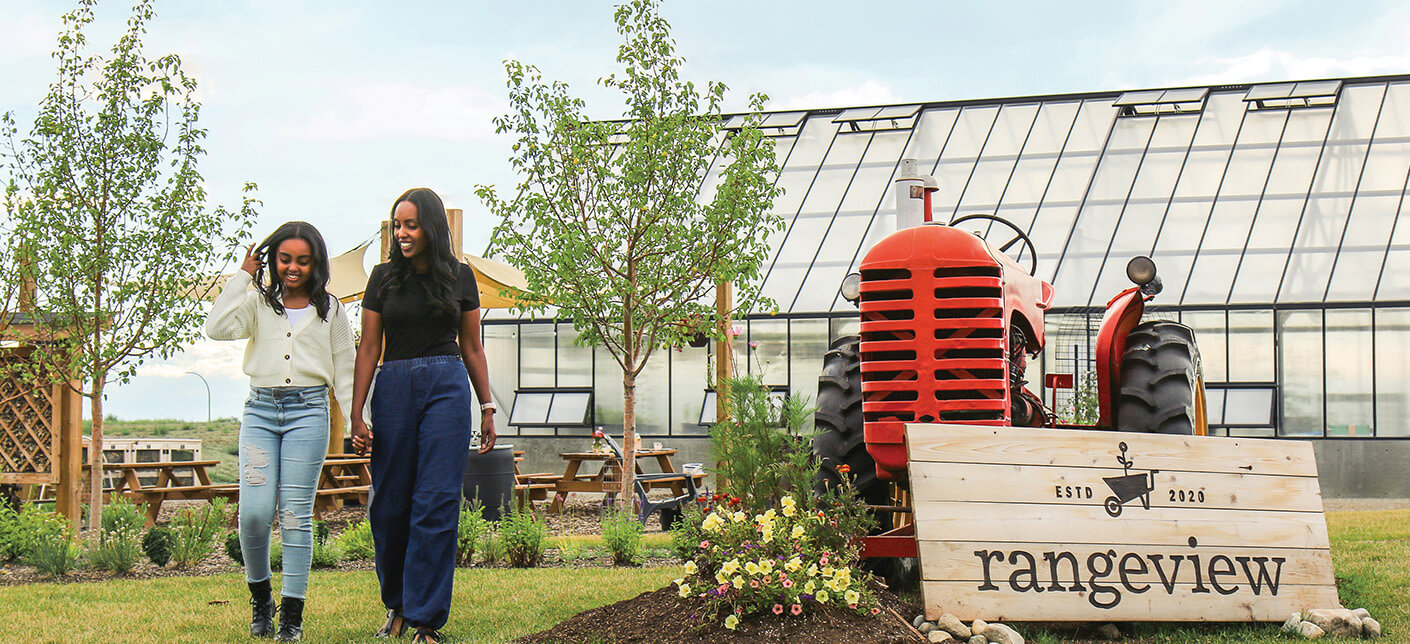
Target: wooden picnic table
(344, 477)
(607, 479)
(169, 483)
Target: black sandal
(395, 625)
(426, 636)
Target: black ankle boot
(291, 620)
(262, 613)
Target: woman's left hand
(487, 434)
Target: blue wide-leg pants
(421, 413)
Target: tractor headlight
(851, 287)
(1141, 270)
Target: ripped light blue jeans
(283, 439)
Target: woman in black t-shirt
(424, 302)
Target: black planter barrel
(490, 478)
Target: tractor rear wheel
(840, 440)
(1162, 385)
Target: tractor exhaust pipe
(913, 195)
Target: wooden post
(455, 217)
(724, 349)
(67, 462)
(386, 251)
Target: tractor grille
(933, 347)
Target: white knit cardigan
(316, 352)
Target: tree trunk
(95, 461)
(628, 437)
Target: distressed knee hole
(291, 521)
(255, 457)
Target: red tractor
(948, 323)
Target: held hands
(252, 262)
(487, 433)
(361, 437)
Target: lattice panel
(26, 424)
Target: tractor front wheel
(1162, 385)
(840, 440)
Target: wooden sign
(1020, 524)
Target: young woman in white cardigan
(300, 345)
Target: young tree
(110, 214)
(613, 223)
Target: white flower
(690, 567)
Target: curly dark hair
(441, 262)
(273, 292)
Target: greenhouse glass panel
(1070, 181)
(1385, 168)
(1310, 263)
(1030, 179)
(536, 345)
(1209, 331)
(1292, 171)
(1050, 228)
(930, 136)
(782, 283)
(1184, 226)
(800, 244)
(1356, 113)
(1173, 267)
(607, 390)
(1395, 114)
(961, 152)
(1218, 258)
(501, 344)
(767, 351)
(1251, 346)
(1082, 259)
(689, 367)
(1050, 129)
(1214, 411)
(1262, 129)
(1219, 123)
(1306, 127)
(1261, 269)
(1130, 135)
(808, 344)
(1010, 130)
(1363, 247)
(1174, 133)
(1247, 173)
(1394, 284)
(1350, 405)
(1135, 236)
(1392, 385)
(1248, 406)
(574, 363)
(1203, 171)
(1090, 129)
(1300, 372)
(653, 395)
(1339, 169)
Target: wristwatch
(489, 406)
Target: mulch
(663, 617)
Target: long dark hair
(441, 262)
(273, 292)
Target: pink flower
(823, 561)
(788, 583)
(704, 544)
(754, 583)
(736, 331)
(875, 610)
(724, 588)
(753, 344)
(852, 606)
(797, 609)
(778, 609)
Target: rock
(1335, 622)
(977, 626)
(938, 637)
(1370, 629)
(925, 628)
(1109, 632)
(1002, 634)
(1293, 622)
(919, 619)
(1310, 631)
(1361, 612)
(952, 625)
(978, 639)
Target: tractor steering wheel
(1019, 235)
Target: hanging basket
(699, 340)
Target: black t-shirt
(410, 329)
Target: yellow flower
(690, 567)
(812, 570)
(822, 596)
(793, 564)
(712, 523)
(787, 500)
(769, 515)
(767, 565)
(797, 532)
(738, 582)
(751, 568)
(811, 586)
(721, 578)
(853, 596)
(685, 590)
(732, 622)
(730, 567)
(828, 571)
(789, 510)
(739, 517)
(767, 534)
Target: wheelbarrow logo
(1128, 486)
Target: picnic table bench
(344, 477)
(607, 479)
(170, 483)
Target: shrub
(356, 541)
(326, 555)
(119, 542)
(686, 535)
(470, 531)
(320, 532)
(491, 547)
(54, 553)
(21, 530)
(784, 559)
(622, 533)
(524, 536)
(196, 530)
(232, 547)
(765, 450)
(157, 544)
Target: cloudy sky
(334, 107)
